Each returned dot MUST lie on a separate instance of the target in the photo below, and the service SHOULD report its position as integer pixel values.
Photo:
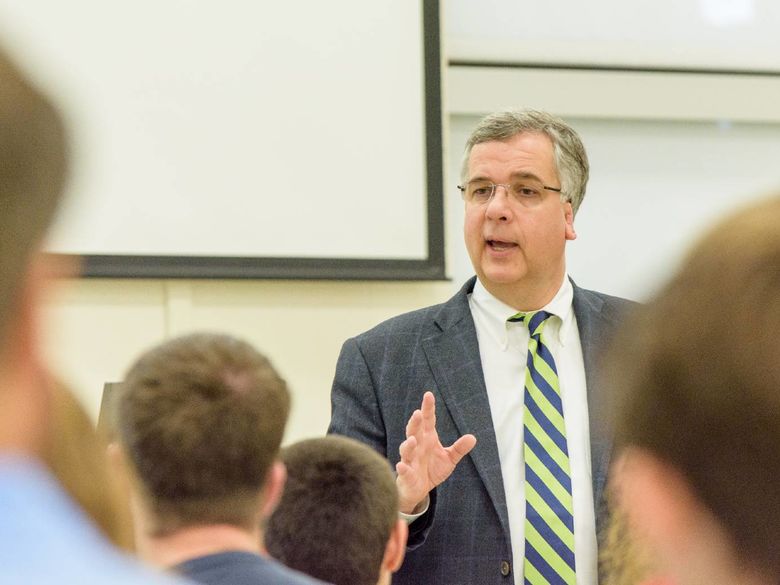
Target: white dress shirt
(503, 349)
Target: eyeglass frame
(507, 187)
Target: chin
(503, 271)
(502, 277)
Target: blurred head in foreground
(338, 517)
(33, 163)
(696, 380)
(46, 538)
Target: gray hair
(571, 159)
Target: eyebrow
(515, 175)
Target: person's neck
(525, 297)
(196, 541)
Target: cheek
(472, 227)
(546, 233)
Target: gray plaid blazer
(380, 378)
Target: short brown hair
(201, 418)
(33, 165)
(338, 509)
(697, 378)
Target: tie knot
(534, 320)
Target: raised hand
(425, 462)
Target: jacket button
(505, 568)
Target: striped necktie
(549, 514)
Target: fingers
(428, 409)
(460, 448)
(424, 418)
(414, 426)
(408, 496)
(406, 450)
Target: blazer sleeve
(354, 409)
(355, 413)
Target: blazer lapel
(595, 328)
(452, 351)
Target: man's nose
(499, 206)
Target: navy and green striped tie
(549, 514)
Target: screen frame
(320, 268)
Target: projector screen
(297, 139)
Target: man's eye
(481, 192)
(525, 191)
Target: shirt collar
(496, 312)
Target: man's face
(517, 247)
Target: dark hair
(696, 376)
(337, 512)
(33, 155)
(201, 419)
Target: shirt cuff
(409, 518)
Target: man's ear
(274, 486)
(396, 547)
(666, 517)
(117, 462)
(23, 334)
(568, 216)
(683, 536)
(125, 478)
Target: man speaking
(495, 390)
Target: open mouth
(500, 246)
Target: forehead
(528, 152)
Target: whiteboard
(725, 35)
(297, 139)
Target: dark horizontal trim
(216, 267)
(615, 68)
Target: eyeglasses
(525, 191)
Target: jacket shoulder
(591, 299)
(422, 322)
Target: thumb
(460, 448)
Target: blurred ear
(274, 486)
(21, 344)
(656, 499)
(116, 458)
(121, 470)
(58, 266)
(681, 534)
(396, 547)
(25, 400)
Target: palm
(425, 462)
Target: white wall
(97, 327)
